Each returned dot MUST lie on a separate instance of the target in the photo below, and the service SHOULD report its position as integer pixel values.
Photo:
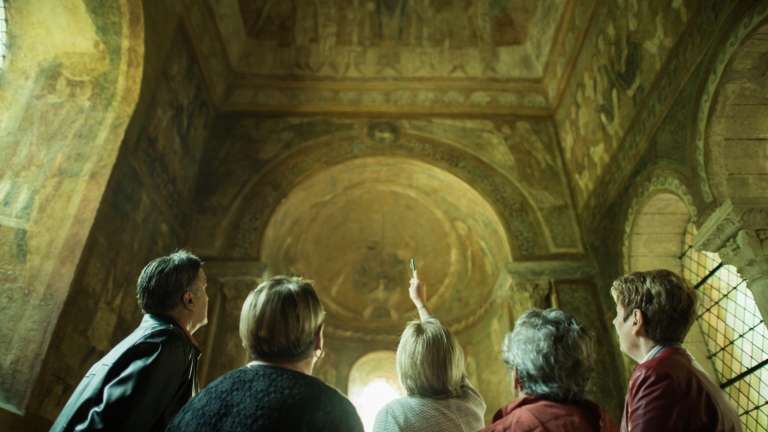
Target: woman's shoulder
(330, 394)
(281, 383)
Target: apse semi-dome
(354, 227)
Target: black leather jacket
(138, 386)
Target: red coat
(670, 393)
(531, 414)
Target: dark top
(139, 385)
(267, 398)
(671, 392)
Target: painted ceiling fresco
(616, 69)
(398, 38)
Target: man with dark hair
(142, 383)
(668, 390)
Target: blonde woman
(281, 326)
(430, 365)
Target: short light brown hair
(430, 361)
(668, 303)
(280, 319)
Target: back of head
(554, 355)
(164, 281)
(668, 303)
(280, 319)
(430, 361)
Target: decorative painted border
(521, 95)
(514, 211)
(734, 41)
(246, 97)
(651, 188)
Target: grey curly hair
(554, 355)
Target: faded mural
(171, 143)
(523, 150)
(521, 156)
(65, 107)
(141, 217)
(355, 226)
(410, 38)
(618, 64)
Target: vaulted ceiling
(354, 135)
(394, 57)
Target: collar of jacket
(157, 318)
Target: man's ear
(188, 299)
(319, 337)
(638, 321)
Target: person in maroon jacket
(668, 390)
(552, 358)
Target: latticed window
(735, 334)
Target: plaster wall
(69, 87)
(183, 178)
(140, 217)
(671, 163)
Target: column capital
(748, 252)
(726, 221)
(532, 292)
(740, 237)
(529, 283)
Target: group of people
(148, 382)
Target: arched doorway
(373, 383)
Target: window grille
(734, 332)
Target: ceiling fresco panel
(616, 69)
(398, 38)
(513, 163)
(355, 226)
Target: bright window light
(373, 383)
(374, 396)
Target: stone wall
(580, 299)
(482, 355)
(141, 217)
(69, 86)
(671, 162)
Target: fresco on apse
(523, 152)
(354, 228)
(409, 38)
(622, 56)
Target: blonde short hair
(430, 361)
(668, 303)
(280, 319)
